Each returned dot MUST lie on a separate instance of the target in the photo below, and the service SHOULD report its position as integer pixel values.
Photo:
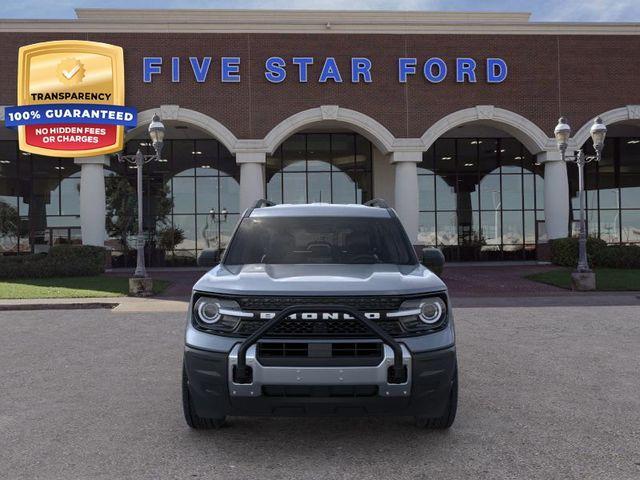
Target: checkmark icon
(71, 73)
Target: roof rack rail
(377, 202)
(263, 202)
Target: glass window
(229, 194)
(183, 195)
(445, 194)
(491, 225)
(294, 189)
(206, 195)
(318, 153)
(512, 192)
(188, 225)
(183, 157)
(490, 195)
(343, 152)
(294, 153)
(630, 190)
(445, 156)
(274, 188)
(512, 228)
(70, 196)
(319, 240)
(343, 187)
(488, 156)
(609, 225)
(511, 155)
(426, 195)
(320, 186)
(427, 228)
(629, 155)
(320, 167)
(467, 154)
(630, 222)
(447, 228)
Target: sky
(542, 10)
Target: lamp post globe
(562, 133)
(598, 133)
(156, 133)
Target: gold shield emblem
(71, 72)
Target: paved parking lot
(546, 393)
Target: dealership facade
(447, 116)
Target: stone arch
(527, 132)
(197, 119)
(374, 131)
(622, 114)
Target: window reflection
(479, 198)
(612, 191)
(320, 167)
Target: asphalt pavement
(548, 392)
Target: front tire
(446, 420)
(191, 417)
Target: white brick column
(251, 177)
(93, 209)
(406, 190)
(556, 194)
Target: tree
(122, 208)
(9, 221)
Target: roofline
(310, 21)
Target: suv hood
(314, 279)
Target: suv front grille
(284, 349)
(319, 328)
(299, 354)
(291, 328)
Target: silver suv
(320, 310)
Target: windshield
(337, 240)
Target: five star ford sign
(71, 99)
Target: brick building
(448, 116)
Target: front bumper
(428, 386)
(413, 377)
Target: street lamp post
(156, 133)
(562, 133)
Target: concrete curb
(57, 306)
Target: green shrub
(564, 252)
(618, 256)
(61, 261)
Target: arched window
(320, 167)
(480, 198)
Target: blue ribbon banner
(70, 113)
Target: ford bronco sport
(320, 310)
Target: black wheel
(191, 417)
(446, 420)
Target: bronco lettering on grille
(320, 316)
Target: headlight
(208, 310)
(216, 314)
(423, 314)
(432, 310)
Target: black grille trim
(363, 303)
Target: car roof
(321, 210)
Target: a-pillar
(251, 177)
(556, 194)
(93, 208)
(406, 190)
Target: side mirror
(433, 259)
(209, 257)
